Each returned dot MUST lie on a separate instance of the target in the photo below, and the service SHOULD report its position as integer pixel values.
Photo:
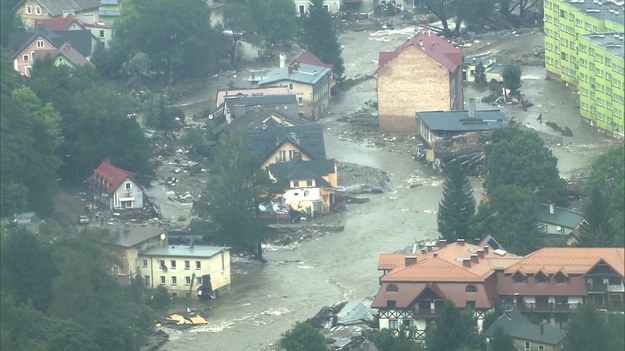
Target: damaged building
(455, 136)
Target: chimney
(552, 209)
(474, 258)
(410, 260)
(435, 254)
(472, 112)
(442, 243)
(423, 251)
(466, 262)
(429, 248)
(282, 60)
(480, 253)
(486, 248)
(460, 241)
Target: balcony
(596, 287)
(557, 307)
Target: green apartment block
(584, 41)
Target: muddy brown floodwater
(265, 300)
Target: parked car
(83, 220)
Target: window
(291, 86)
(25, 58)
(146, 279)
(326, 7)
(173, 264)
(541, 277)
(162, 263)
(309, 183)
(145, 263)
(32, 55)
(199, 280)
(187, 280)
(128, 186)
(162, 280)
(29, 10)
(282, 156)
(300, 101)
(296, 183)
(101, 34)
(528, 346)
(174, 280)
(198, 265)
(541, 347)
(471, 288)
(518, 277)
(392, 324)
(392, 287)
(560, 277)
(37, 10)
(40, 43)
(302, 9)
(291, 154)
(187, 265)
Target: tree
(386, 340)
(510, 216)
(512, 78)
(457, 206)
(159, 115)
(587, 331)
(501, 341)
(457, 322)
(10, 21)
(320, 36)
(596, 231)
(480, 76)
(303, 337)
(182, 46)
(520, 157)
(230, 200)
(279, 25)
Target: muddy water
(265, 300)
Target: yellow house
(32, 10)
(309, 184)
(310, 83)
(184, 269)
(125, 242)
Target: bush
(160, 298)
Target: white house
(115, 187)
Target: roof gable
(72, 55)
(111, 175)
(432, 45)
(519, 326)
(58, 23)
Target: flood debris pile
(464, 149)
(353, 175)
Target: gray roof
(305, 73)
(562, 216)
(297, 169)
(129, 235)
(519, 327)
(600, 11)
(459, 121)
(57, 7)
(264, 100)
(78, 39)
(610, 41)
(196, 251)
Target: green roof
(562, 216)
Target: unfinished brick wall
(411, 82)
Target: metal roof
(459, 121)
(305, 73)
(519, 327)
(196, 251)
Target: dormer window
(560, 277)
(541, 277)
(392, 287)
(518, 277)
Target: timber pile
(463, 149)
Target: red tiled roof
(434, 46)
(58, 23)
(310, 58)
(112, 175)
(573, 260)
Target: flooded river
(265, 300)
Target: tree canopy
(512, 78)
(230, 200)
(457, 322)
(457, 206)
(593, 330)
(303, 337)
(176, 36)
(519, 157)
(320, 36)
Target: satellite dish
(558, 228)
(210, 116)
(163, 236)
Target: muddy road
(266, 300)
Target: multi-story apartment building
(549, 283)
(584, 49)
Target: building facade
(424, 74)
(302, 6)
(584, 48)
(116, 188)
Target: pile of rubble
(353, 175)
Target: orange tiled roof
(572, 260)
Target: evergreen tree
(459, 323)
(587, 331)
(457, 206)
(320, 36)
(595, 232)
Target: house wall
(36, 13)
(121, 195)
(62, 61)
(302, 6)
(534, 346)
(312, 100)
(289, 149)
(23, 66)
(217, 266)
(102, 36)
(411, 82)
